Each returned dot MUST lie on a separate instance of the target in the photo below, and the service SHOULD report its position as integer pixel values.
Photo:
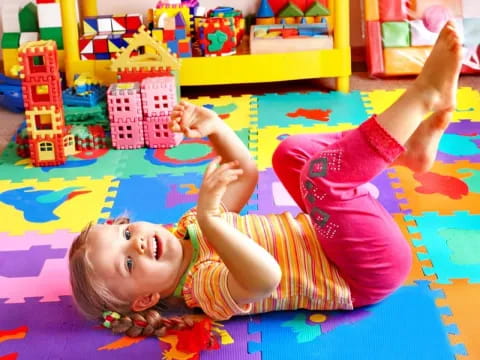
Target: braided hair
(93, 298)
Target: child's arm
(195, 121)
(253, 272)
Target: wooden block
(393, 10)
(373, 46)
(405, 61)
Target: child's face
(135, 259)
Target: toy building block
(52, 33)
(11, 96)
(405, 61)
(374, 52)
(217, 36)
(104, 24)
(91, 98)
(290, 10)
(39, 59)
(95, 115)
(393, 10)
(10, 20)
(124, 102)
(47, 151)
(396, 34)
(44, 120)
(100, 44)
(89, 137)
(265, 10)
(421, 36)
(119, 23)
(317, 9)
(127, 135)
(21, 139)
(158, 134)
(417, 9)
(49, 142)
(90, 26)
(49, 15)
(159, 95)
(26, 37)
(372, 12)
(158, 63)
(134, 22)
(28, 18)
(10, 40)
(10, 62)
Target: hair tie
(109, 317)
(140, 323)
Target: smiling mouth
(157, 247)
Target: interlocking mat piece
(43, 209)
(54, 204)
(451, 243)
(445, 188)
(463, 298)
(411, 323)
(377, 101)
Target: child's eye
(127, 234)
(129, 263)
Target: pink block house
(159, 95)
(127, 134)
(124, 102)
(157, 133)
(139, 113)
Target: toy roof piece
(290, 10)
(162, 58)
(317, 9)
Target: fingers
(218, 175)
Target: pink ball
(435, 17)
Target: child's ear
(145, 302)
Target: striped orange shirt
(309, 280)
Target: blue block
(173, 46)
(102, 56)
(180, 34)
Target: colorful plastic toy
(48, 139)
(400, 33)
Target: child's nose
(139, 244)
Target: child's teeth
(154, 247)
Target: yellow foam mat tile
(270, 136)
(444, 189)
(236, 111)
(468, 102)
(55, 204)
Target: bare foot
(438, 80)
(423, 144)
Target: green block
(54, 33)
(317, 9)
(290, 10)
(396, 34)
(10, 40)
(28, 18)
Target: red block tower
(48, 139)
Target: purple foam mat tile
(272, 196)
(388, 195)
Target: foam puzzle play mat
(434, 315)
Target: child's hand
(193, 121)
(215, 182)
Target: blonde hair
(93, 297)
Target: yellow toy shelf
(233, 69)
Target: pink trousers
(326, 175)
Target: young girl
(344, 251)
